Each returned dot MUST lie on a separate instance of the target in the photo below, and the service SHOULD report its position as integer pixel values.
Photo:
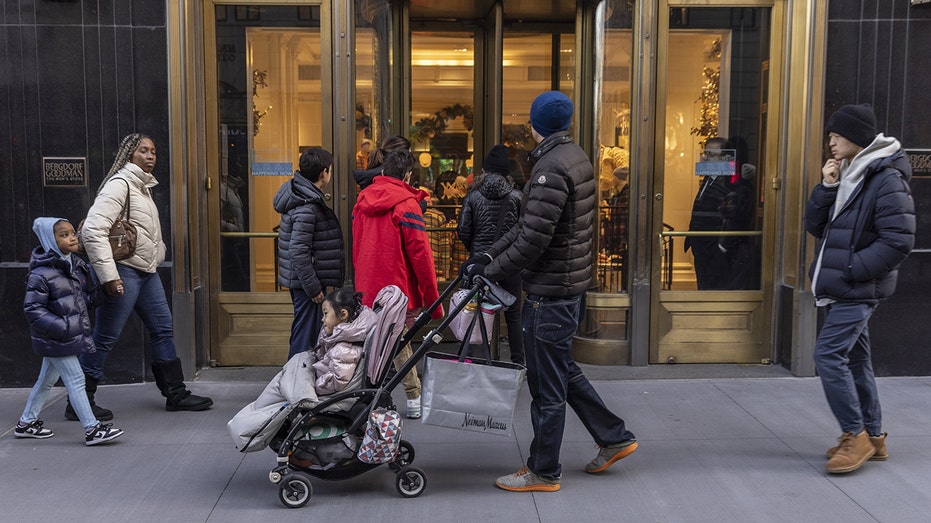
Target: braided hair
(345, 299)
(123, 156)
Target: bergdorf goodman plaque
(64, 172)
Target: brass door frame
(245, 326)
(743, 318)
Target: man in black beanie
(551, 248)
(863, 216)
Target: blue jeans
(308, 319)
(143, 293)
(555, 379)
(843, 361)
(73, 377)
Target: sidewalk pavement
(747, 449)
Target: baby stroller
(324, 443)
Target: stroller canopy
(390, 307)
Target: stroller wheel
(411, 481)
(295, 490)
(405, 453)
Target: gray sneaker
(608, 454)
(525, 481)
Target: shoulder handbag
(122, 235)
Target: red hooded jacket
(390, 245)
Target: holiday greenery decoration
(430, 126)
(259, 80)
(708, 111)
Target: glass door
(271, 89)
(710, 304)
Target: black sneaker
(102, 433)
(32, 430)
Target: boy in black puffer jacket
(310, 245)
(58, 290)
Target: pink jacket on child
(339, 353)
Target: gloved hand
(480, 257)
(476, 269)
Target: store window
(442, 85)
(613, 168)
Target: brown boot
(879, 443)
(853, 452)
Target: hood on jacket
(354, 331)
(494, 186)
(364, 178)
(384, 194)
(878, 155)
(45, 230)
(296, 192)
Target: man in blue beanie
(863, 216)
(551, 248)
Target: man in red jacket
(390, 246)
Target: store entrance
(711, 300)
(273, 82)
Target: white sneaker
(413, 408)
(102, 433)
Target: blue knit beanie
(551, 112)
(856, 123)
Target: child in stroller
(325, 440)
(311, 375)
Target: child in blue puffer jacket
(59, 289)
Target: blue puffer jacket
(862, 247)
(310, 241)
(56, 305)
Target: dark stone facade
(80, 76)
(877, 54)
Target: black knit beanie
(496, 161)
(856, 123)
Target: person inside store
(364, 177)
(132, 283)
(362, 156)
(551, 248)
(723, 203)
(489, 209)
(863, 215)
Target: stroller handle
(493, 292)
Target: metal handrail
(711, 233)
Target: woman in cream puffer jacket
(133, 283)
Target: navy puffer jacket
(863, 246)
(551, 245)
(310, 241)
(481, 208)
(56, 305)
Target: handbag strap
(126, 203)
(464, 348)
(502, 210)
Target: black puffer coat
(552, 243)
(862, 247)
(481, 208)
(56, 305)
(310, 241)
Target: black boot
(90, 386)
(170, 380)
